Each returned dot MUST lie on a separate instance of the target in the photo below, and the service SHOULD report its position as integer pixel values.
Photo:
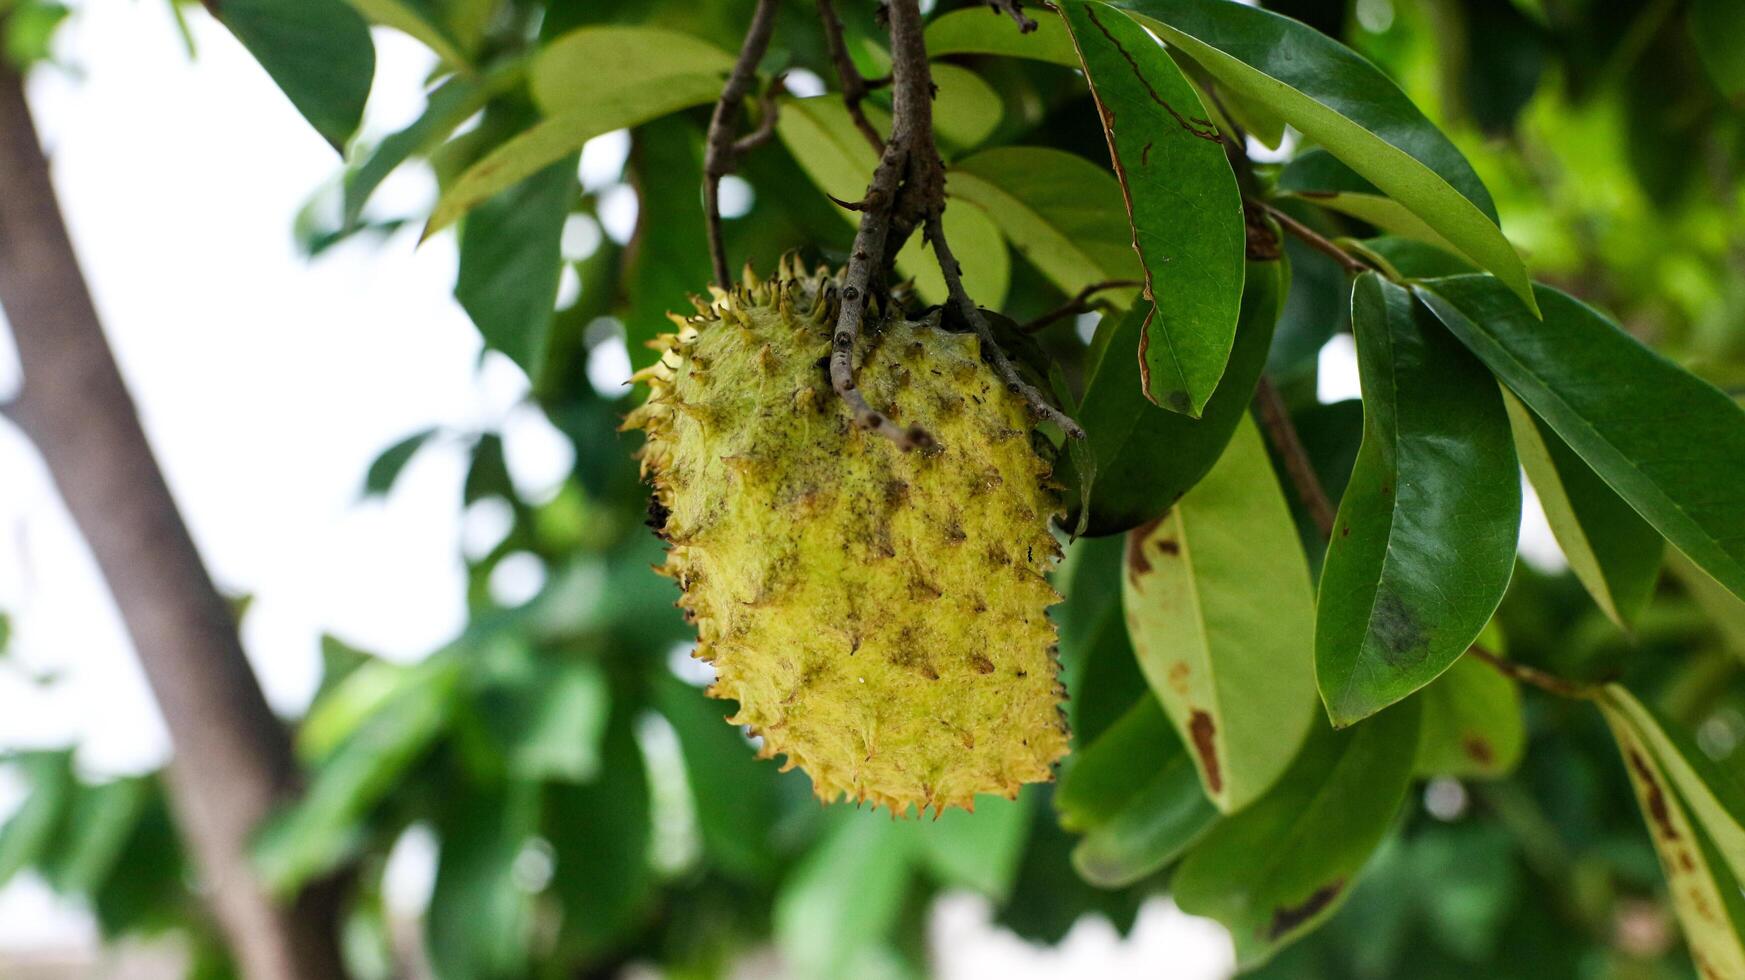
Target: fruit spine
(878, 615)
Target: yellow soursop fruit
(878, 615)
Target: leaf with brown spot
(1704, 892)
(1473, 728)
(1433, 509)
(1221, 617)
(1279, 868)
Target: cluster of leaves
(1253, 704)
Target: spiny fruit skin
(878, 615)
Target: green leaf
(1148, 457)
(979, 247)
(1611, 549)
(1669, 443)
(421, 20)
(510, 263)
(978, 851)
(966, 109)
(1705, 896)
(972, 31)
(1061, 212)
(315, 835)
(1715, 797)
(387, 466)
(670, 259)
(1182, 201)
(318, 52)
(845, 895)
(1136, 795)
(1221, 613)
(551, 720)
(562, 135)
(98, 823)
(1425, 537)
(599, 833)
(1345, 104)
(28, 832)
(1321, 179)
(1717, 29)
(592, 67)
(735, 794)
(479, 926)
(1725, 611)
(1473, 727)
(1281, 867)
(146, 890)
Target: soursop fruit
(878, 615)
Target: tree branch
(722, 152)
(233, 761)
(854, 86)
(1080, 302)
(1350, 263)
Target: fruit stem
(722, 154)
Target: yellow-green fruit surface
(878, 615)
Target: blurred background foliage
(588, 807)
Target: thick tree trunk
(232, 760)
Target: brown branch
(1079, 303)
(854, 86)
(233, 761)
(1550, 683)
(1350, 263)
(722, 153)
(1015, 10)
(1276, 418)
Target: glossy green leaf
(1135, 794)
(844, 897)
(1473, 727)
(1061, 212)
(1725, 611)
(318, 52)
(1717, 28)
(1669, 443)
(1222, 618)
(559, 136)
(1425, 537)
(510, 263)
(973, 31)
(1182, 201)
(671, 257)
(480, 922)
(979, 850)
(451, 104)
(1704, 894)
(966, 109)
(1714, 796)
(1321, 179)
(1345, 104)
(1148, 457)
(735, 794)
(1611, 549)
(592, 67)
(1279, 868)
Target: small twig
(1532, 675)
(1351, 263)
(854, 86)
(768, 112)
(967, 309)
(1015, 10)
(1080, 302)
(722, 154)
(1283, 434)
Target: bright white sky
(267, 384)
